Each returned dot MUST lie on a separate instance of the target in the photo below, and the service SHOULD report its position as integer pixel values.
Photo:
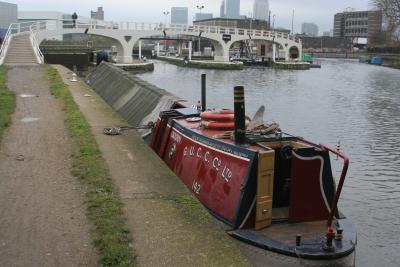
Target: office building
(202, 16)
(222, 9)
(261, 10)
(364, 24)
(179, 15)
(230, 9)
(309, 29)
(8, 15)
(99, 14)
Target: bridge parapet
(172, 28)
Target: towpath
(169, 227)
(42, 206)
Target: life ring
(219, 125)
(218, 115)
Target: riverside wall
(137, 101)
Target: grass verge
(110, 233)
(7, 102)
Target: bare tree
(391, 12)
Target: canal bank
(169, 227)
(391, 61)
(7, 102)
(203, 64)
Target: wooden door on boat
(312, 185)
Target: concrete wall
(8, 15)
(137, 101)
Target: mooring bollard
(74, 78)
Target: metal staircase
(20, 47)
(20, 51)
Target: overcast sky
(319, 11)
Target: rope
(262, 129)
(117, 130)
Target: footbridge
(127, 35)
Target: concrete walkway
(42, 207)
(169, 227)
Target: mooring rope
(117, 130)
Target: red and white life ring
(218, 115)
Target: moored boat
(276, 191)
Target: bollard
(74, 78)
(203, 93)
(298, 240)
(240, 115)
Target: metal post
(140, 49)
(240, 115)
(190, 50)
(292, 21)
(158, 49)
(273, 52)
(203, 92)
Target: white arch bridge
(128, 34)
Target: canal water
(354, 103)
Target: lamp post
(199, 8)
(273, 22)
(166, 13)
(292, 22)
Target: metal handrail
(346, 163)
(4, 45)
(16, 28)
(35, 45)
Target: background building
(309, 29)
(99, 14)
(326, 44)
(202, 16)
(8, 15)
(222, 9)
(179, 15)
(327, 34)
(261, 9)
(365, 24)
(230, 9)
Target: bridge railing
(34, 28)
(14, 28)
(196, 29)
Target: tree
(391, 12)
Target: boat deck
(286, 233)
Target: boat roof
(252, 141)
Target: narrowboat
(274, 190)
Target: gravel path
(168, 228)
(42, 208)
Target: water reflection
(355, 103)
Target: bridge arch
(294, 52)
(121, 44)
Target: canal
(356, 104)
